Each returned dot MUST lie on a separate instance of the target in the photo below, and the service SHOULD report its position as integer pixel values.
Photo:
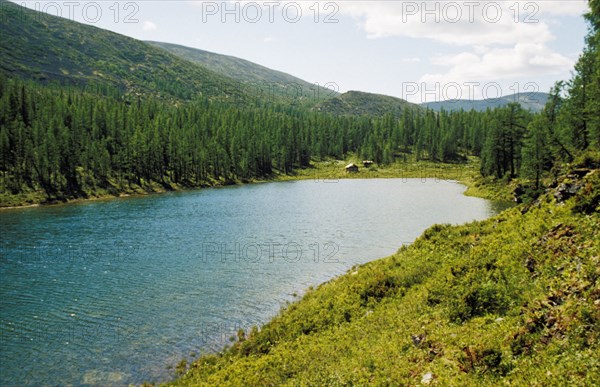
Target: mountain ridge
(534, 101)
(250, 73)
(46, 48)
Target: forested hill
(281, 85)
(43, 47)
(58, 143)
(534, 102)
(359, 103)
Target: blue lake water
(118, 291)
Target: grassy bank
(511, 300)
(465, 173)
(113, 189)
(331, 170)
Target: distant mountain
(359, 103)
(246, 72)
(42, 47)
(529, 101)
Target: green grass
(489, 188)
(22, 199)
(511, 300)
(112, 188)
(465, 173)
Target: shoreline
(464, 174)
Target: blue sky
(420, 51)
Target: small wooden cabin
(367, 163)
(351, 168)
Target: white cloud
(454, 60)
(481, 49)
(562, 8)
(498, 40)
(522, 60)
(149, 26)
(411, 60)
(451, 22)
(503, 65)
(269, 39)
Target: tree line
(521, 144)
(68, 141)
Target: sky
(422, 51)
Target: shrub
(587, 199)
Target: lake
(119, 291)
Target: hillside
(534, 102)
(254, 75)
(45, 48)
(511, 300)
(359, 103)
